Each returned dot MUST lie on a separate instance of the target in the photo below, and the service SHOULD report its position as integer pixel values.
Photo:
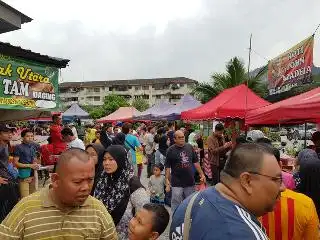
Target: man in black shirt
(180, 163)
(9, 194)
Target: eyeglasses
(275, 179)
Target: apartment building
(153, 90)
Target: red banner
(292, 68)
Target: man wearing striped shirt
(63, 210)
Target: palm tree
(235, 75)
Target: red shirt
(56, 139)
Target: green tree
(112, 102)
(140, 104)
(235, 75)
(97, 112)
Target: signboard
(292, 68)
(27, 85)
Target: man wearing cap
(8, 186)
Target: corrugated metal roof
(15, 51)
(128, 82)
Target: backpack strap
(187, 217)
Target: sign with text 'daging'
(27, 85)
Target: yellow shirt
(139, 156)
(294, 218)
(37, 217)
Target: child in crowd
(157, 185)
(149, 222)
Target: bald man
(180, 162)
(64, 209)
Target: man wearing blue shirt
(25, 155)
(250, 185)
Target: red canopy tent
(230, 103)
(122, 114)
(298, 109)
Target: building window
(145, 96)
(96, 90)
(145, 87)
(137, 87)
(121, 88)
(158, 87)
(96, 99)
(181, 85)
(175, 96)
(158, 96)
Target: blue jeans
(179, 194)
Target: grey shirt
(156, 186)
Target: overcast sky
(126, 39)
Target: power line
(260, 55)
(316, 29)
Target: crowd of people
(95, 189)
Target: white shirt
(74, 131)
(76, 143)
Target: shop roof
(15, 51)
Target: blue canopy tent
(75, 111)
(187, 102)
(151, 113)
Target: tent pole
(305, 135)
(247, 83)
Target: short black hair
(161, 217)
(219, 127)
(246, 157)
(25, 131)
(241, 139)
(67, 132)
(55, 116)
(66, 156)
(264, 140)
(126, 128)
(160, 166)
(170, 124)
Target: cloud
(153, 41)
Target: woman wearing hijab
(121, 193)
(310, 181)
(304, 156)
(96, 152)
(120, 139)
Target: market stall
(30, 83)
(230, 103)
(75, 111)
(122, 114)
(298, 109)
(153, 112)
(187, 102)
